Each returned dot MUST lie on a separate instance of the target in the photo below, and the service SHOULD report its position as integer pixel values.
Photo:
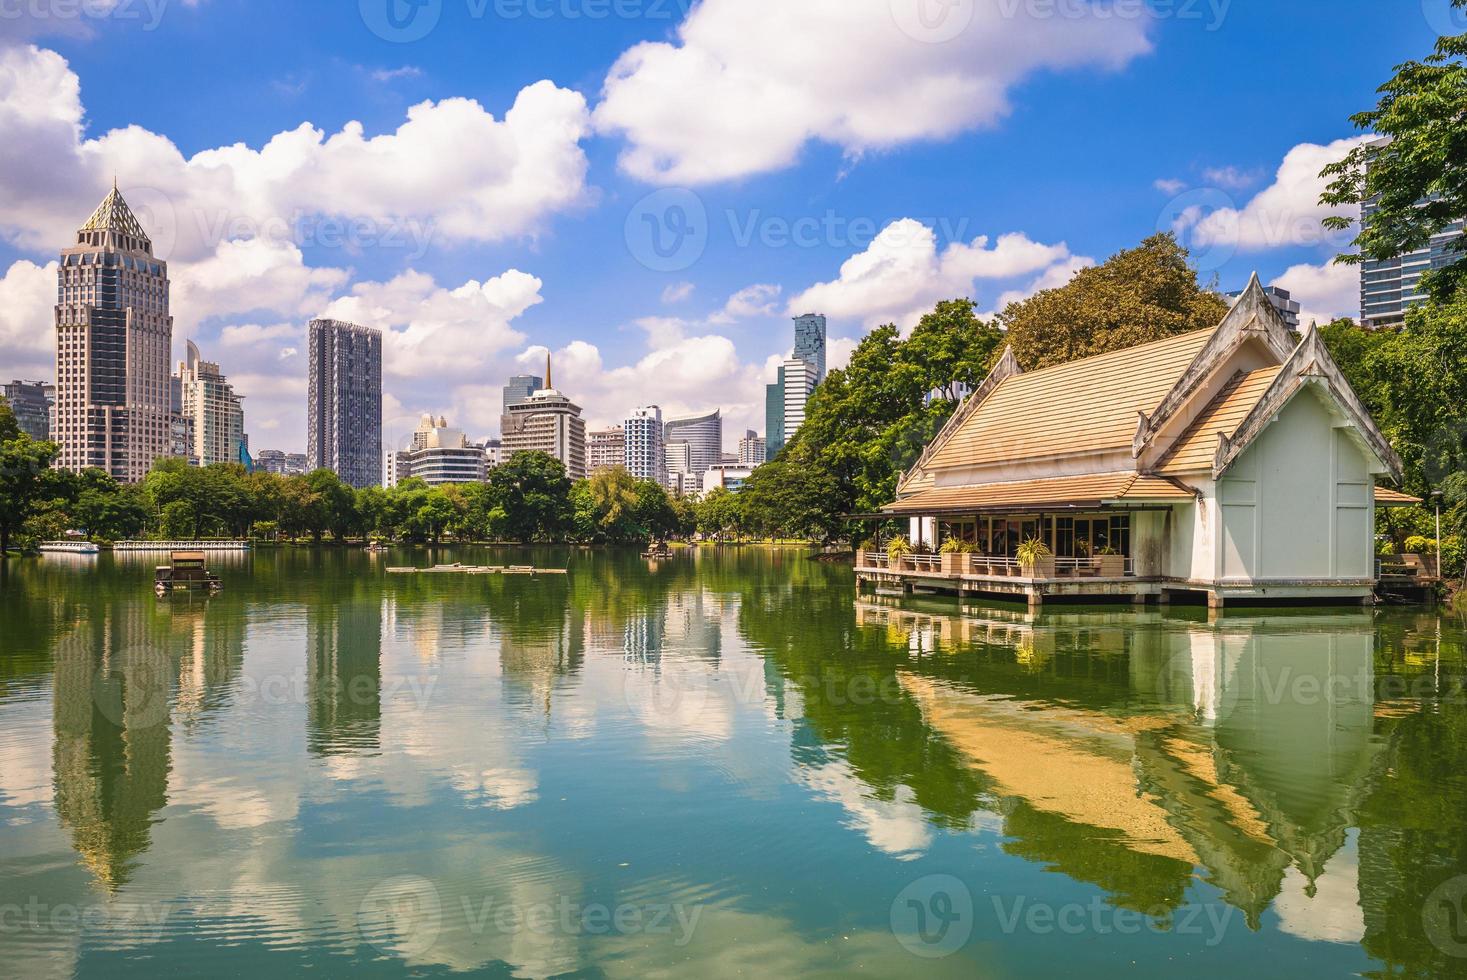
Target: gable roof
(1195, 449)
(1067, 491)
(1082, 406)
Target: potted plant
(864, 548)
(896, 550)
(1035, 559)
(955, 552)
(1112, 563)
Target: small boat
(69, 548)
(658, 549)
(187, 571)
(376, 548)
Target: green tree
(784, 499)
(1137, 295)
(532, 490)
(1418, 181)
(24, 476)
(720, 514)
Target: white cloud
(1285, 213)
(1324, 292)
(432, 333)
(747, 83)
(249, 276)
(1054, 277)
(1170, 185)
(392, 74)
(1231, 178)
(677, 292)
(474, 177)
(751, 301)
(27, 321)
(902, 274)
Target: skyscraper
(646, 455)
(520, 388)
(799, 384)
(774, 417)
(31, 402)
(345, 402)
(439, 455)
(113, 340)
(1389, 287)
(752, 450)
(704, 436)
(606, 448)
(810, 342)
(550, 423)
(208, 399)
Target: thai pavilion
(1234, 462)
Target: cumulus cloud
(903, 273)
(746, 84)
(677, 292)
(751, 301)
(1285, 213)
(475, 177)
(1324, 292)
(27, 320)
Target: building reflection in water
(344, 675)
(1127, 750)
(123, 675)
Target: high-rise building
(493, 452)
(730, 478)
(550, 423)
(345, 402)
(678, 462)
(774, 417)
(704, 437)
(438, 455)
(1281, 299)
(810, 342)
(1388, 288)
(31, 401)
(752, 450)
(800, 379)
(113, 340)
(208, 400)
(646, 453)
(606, 448)
(520, 388)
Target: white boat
(69, 548)
(181, 546)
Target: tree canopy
(1419, 181)
(1137, 295)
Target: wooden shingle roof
(1083, 406)
(1196, 448)
(1090, 490)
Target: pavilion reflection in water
(1240, 747)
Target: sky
(651, 189)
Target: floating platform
(457, 569)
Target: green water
(725, 764)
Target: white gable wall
(1297, 504)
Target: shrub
(1453, 554)
(1032, 551)
(1418, 544)
(957, 546)
(897, 547)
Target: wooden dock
(457, 569)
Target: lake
(726, 762)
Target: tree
(719, 514)
(24, 482)
(1418, 181)
(786, 500)
(532, 490)
(1137, 295)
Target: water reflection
(732, 733)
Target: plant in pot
(955, 552)
(1111, 562)
(864, 548)
(896, 550)
(1035, 559)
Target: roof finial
(548, 385)
(114, 181)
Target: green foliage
(896, 548)
(615, 507)
(26, 479)
(533, 492)
(1419, 181)
(957, 546)
(720, 514)
(1032, 551)
(1417, 544)
(1137, 295)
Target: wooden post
(1036, 602)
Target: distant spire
(548, 385)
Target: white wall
(1297, 504)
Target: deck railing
(996, 566)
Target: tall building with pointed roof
(547, 422)
(208, 400)
(113, 340)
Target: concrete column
(1214, 600)
(1036, 602)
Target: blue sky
(999, 143)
